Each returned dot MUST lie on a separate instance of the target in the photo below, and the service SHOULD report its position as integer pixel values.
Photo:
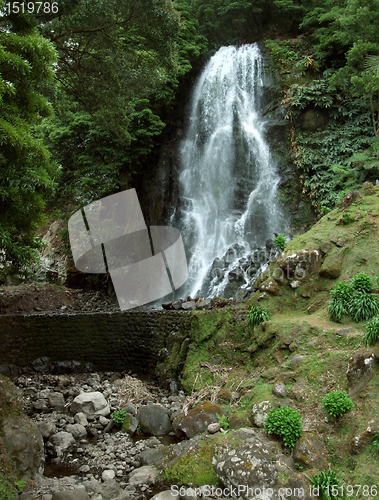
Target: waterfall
(228, 179)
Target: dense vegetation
(86, 92)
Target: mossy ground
(299, 325)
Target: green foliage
(354, 299)
(223, 421)
(258, 315)
(342, 291)
(286, 423)
(375, 443)
(20, 485)
(325, 481)
(337, 403)
(372, 331)
(362, 283)
(341, 294)
(280, 241)
(363, 306)
(337, 309)
(119, 416)
(26, 171)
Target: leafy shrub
(325, 482)
(342, 291)
(119, 416)
(223, 421)
(286, 423)
(375, 443)
(363, 306)
(258, 315)
(372, 331)
(280, 241)
(337, 403)
(362, 283)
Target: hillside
(300, 346)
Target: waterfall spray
(228, 178)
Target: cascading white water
(228, 179)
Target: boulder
(75, 494)
(204, 304)
(190, 305)
(252, 465)
(23, 444)
(80, 418)
(90, 403)
(56, 400)
(332, 265)
(153, 456)
(77, 430)
(260, 412)
(108, 475)
(166, 495)
(301, 264)
(110, 489)
(360, 371)
(154, 420)
(279, 389)
(47, 428)
(213, 428)
(360, 442)
(60, 442)
(148, 474)
(130, 424)
(197, 420)
(309, 452)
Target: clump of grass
(363, 306)
(372, 331)
(258, 315)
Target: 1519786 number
(32, 7)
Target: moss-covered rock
(197, 420)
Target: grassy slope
(260, 356)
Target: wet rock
(360, 371)
(197, 419)
(309, 451)
(154, 420)
(90, 403)
(260, 412)
(236, 274)
(23, 443)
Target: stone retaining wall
(115, 341)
